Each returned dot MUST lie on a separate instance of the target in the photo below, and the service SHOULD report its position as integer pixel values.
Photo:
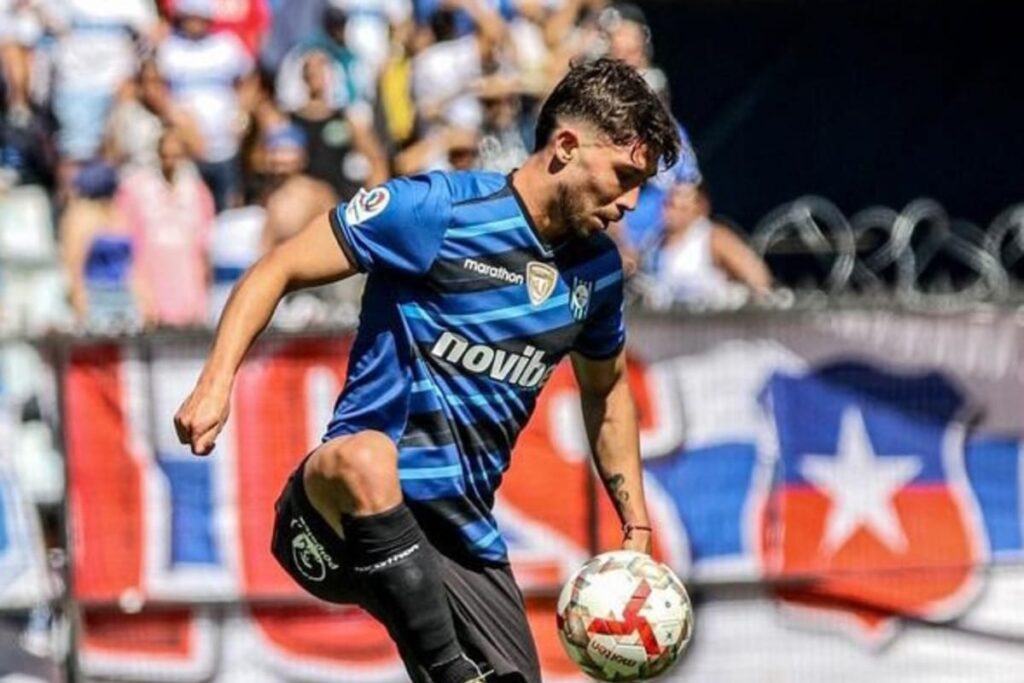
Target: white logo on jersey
(579, 301)
(497, 272)
(310, 558)
(540, 281)
(365, 205)
(521, 369)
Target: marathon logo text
(497, 272)
(524, 369)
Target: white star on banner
(860, 485)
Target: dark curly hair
(615, 98)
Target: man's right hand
(201, 417)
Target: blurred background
(826, 330)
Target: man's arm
(311, 257)
(739, 261)
(610, 419)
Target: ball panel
(624, 617)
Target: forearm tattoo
(616, 482)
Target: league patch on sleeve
(366, 204)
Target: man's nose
(628, 201)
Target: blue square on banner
(709, 487)
(193, 537)
(994, 470)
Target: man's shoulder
(430, 198)
(474, 186)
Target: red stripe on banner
(105, 484)
(553, 661)
(164, 634)
(340, 635)
(273, 435)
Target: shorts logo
(540, 281)
(579, 300)
(310, 558)
(365, 205)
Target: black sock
(391, 554)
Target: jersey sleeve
(397, 226)
(604, 332)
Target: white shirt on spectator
(18, 23)
(236, 245)
(443, 73)
(202, 74)
(687, 271)
(368, 29)
(95, 50)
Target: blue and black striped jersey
(465, 315)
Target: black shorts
(487, 605)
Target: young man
(478, 284)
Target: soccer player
(478, 284)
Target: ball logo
(365, 205)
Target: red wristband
(628, 528)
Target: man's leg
(352, 481)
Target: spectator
(249, 20)
(27, 155)
(237, 244)
(350, 82)
(145, 107)
(94, 56)
(294, 21)
(629, 39)
(443, 73)
(504, 140)
(369, 26)
(294, 197)
(698, 261)
(171, 214)
(208, 73)
(20, 30)
(528, 44)
(445, 149)
(341, 146)
(96, 245)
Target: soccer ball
(624, 617)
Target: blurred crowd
(149, 153)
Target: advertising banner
(841, 491)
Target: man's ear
(567, 144)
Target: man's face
(628, 42)
(316, 72)
(171, 152)
(285, 160)
(194, 26)
(601, 183)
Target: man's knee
(360, 469)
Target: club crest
(868, 481)
(579, 299)
(540, 281)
